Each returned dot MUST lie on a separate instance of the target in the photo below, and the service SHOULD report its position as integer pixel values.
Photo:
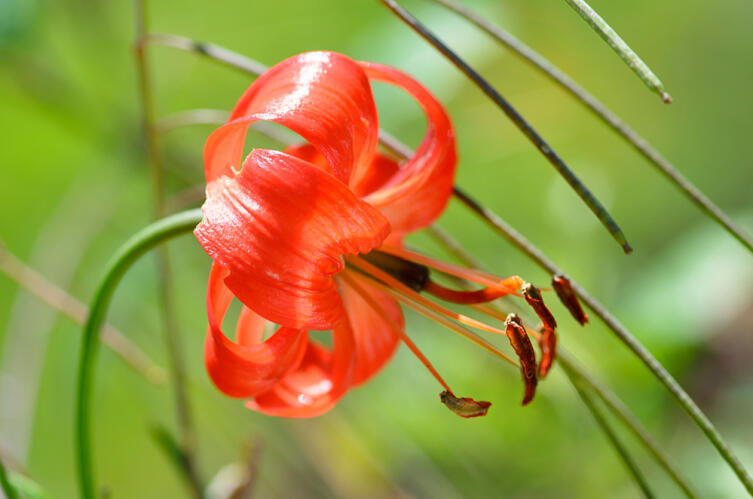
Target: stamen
(353, 283)
(521, 343)
(533, 296)
(383, 276)
(548, 344)
(470, 335)
(510, 284)
(463, 406)
(567, 296)
(413, 275)
(463, 297)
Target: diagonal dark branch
(607, 116)
(596, 207)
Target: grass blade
(618, 45)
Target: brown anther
(465, 407)
(521, 343)
(548, 345)
(533, 297)
(567, 296)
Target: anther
(533, 297)
(521, 343)
(548, 344)
(465, 407)
(567, 296)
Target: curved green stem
(153, 235)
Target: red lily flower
(285, 231)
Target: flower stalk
(152, 236)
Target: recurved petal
(281, 226)
(253, 366)
(323, 96)
(418, 193)
(373, 323)
(314, 388)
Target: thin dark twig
(210, 50)
(174, 348)
(596, 207)
(615, 441)
(607, 116)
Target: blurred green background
(76, 185)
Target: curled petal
(373, 324)
(253, 366)
(322, 96)
(281, 227)
(418, 193)
(317, 384)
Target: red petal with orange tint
(251, 367)
(280, 227)
(323, 96)
(373, 329)
(416, 195)
(318, 383)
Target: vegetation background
(75, 185)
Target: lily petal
(249, 368)
(373, 330)
(319, 382)
(281, 227)
(416, 195)
(322, 96)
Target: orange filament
(393, 283)
(352, 282)
(510, 285)
(463, 297)
(409, 298)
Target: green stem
(153, 235)
(571, 368)
(5, 485)
(615, 405)
(585, 194)
(618, 45)
(607, 116)
(613, 439)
